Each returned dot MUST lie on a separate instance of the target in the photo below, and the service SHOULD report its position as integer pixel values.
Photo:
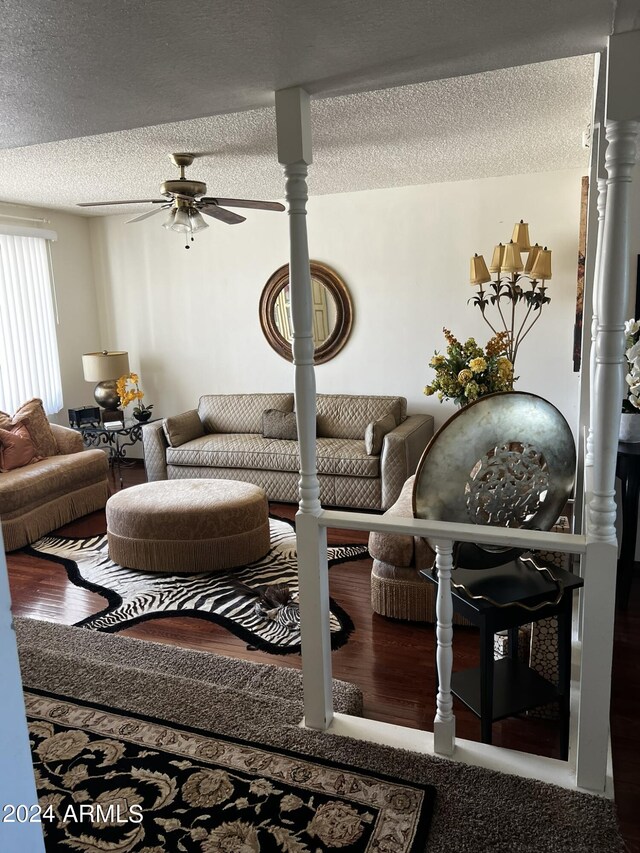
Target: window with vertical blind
(29, 360)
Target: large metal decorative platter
(506, 460)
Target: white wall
(77, 329)
(189, 319)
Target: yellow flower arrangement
(467, 371)
(128, 395)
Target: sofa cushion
(375, 433)
(346, 457)
(50, 478)
(348, 415)
(278, 424)
(16, 448)
(182, 428)
(32, 413)
(239, 413)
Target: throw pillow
(16, 448)
(375, 433)
(182, 428)
(277, 424)
(33, 415)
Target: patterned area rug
(258, 603)
(111, 781)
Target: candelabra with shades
(519, 292)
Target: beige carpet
(477, 810)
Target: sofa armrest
(155, 446)
(68, 440)
(401, 452)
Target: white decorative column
(293, 124)
(597, 286)
(622, 132)
(444, 724)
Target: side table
(499, 689)
(115, 441)
(628, 470)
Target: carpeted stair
(62, 658)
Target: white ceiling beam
(623, 74)
(293, 126)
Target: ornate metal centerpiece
(507, 486)
(508, 460)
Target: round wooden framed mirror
(332, 312)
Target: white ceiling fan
(187, 200)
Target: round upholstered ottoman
(188, 525)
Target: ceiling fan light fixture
(186, 200)
(197, 220)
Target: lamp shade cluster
(184, 218)
(507, 259)
(511, 271)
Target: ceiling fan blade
(245, 202)
(220, 213)
(134, 201)
(148, 214)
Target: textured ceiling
(72, 68)
(510, 121)
(125, 82)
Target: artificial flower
(128, 395)
(468, 372)
(631, 402)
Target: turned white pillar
(597, 286)
(293, 124)
(622, 133)
(444, 724)
(612, 298)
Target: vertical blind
(29, 360)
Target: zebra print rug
(241, 600)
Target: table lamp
(104, 368)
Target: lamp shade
(168, 223)
(98, 366)
(181, 220)
(521, 235)
(533, 254)
(496, 260)
(541, 270)
(479, 272)
(511, 262)
(197, 220)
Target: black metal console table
(114, 440)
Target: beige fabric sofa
(232, 446)
(38, 498)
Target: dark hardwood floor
(392, 662)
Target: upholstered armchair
(66, 483)
(398, 589)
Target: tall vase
(629, 426)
